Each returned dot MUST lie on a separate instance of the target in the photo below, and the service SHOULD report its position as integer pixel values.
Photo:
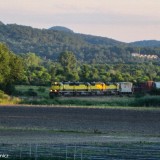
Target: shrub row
(147, 101)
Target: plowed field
(43, 124)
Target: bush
(155, 92)
(3, 95)
(7, 88)
(41, 89)
(6, 99)
(31, 92)
(18, 93)
(147, 101)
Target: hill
(1, 23)
(49, 43)
(146, 43)
(60, 28)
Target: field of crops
(116, 133)
(79, 120)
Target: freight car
(149, 87)
(89, 89)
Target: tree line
(30, 69)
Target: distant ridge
(1, 23)
(49, 43)
(61, 28)
(146, 43)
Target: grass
(42, 91)
(147, 101)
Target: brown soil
(26, 124)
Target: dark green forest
(39, 56)
(49, 43)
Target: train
(101, 88)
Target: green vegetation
(5, 99)
(32, 91)
(146, 101)
(11, 69)
(30, 69)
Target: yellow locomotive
(88, 89)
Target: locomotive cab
(55, 88)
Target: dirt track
(16, 121)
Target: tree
(11, 69)
(31, 59)
(4, 63)
(38, 75)
(16, 69)
(94, 74)
(85, 72)
(69, 64)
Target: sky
(123, 20)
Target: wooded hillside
(49, 44)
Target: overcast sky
(124, 20)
